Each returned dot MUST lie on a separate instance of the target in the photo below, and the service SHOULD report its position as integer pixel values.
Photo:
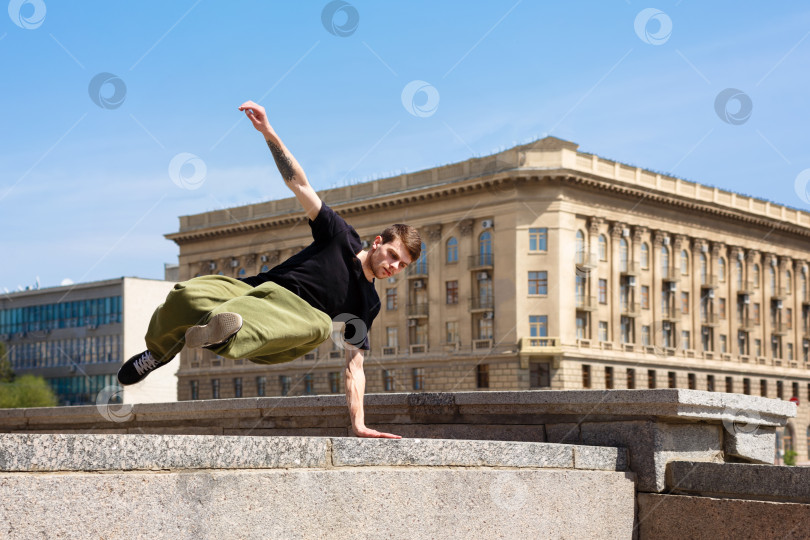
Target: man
(282, 314)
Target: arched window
(452, 250)
(804, 292)
(603, 251)
(756, 276)
(721, 270)
(265, 268)
(739, 273)
(664, 262)
(704, 269)
(623, 255)
(580, 247)
(485, 248)
(241, 272)
(772, 280)
(788, 282)
(645, 256)
(684, 263)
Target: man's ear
(377, 242)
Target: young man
(280, 315)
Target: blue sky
(86, 192)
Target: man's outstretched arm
(355, 388)
(289, 168)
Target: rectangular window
(391, 298)
(539, 375)
(418, 378)
(756, 313)
(685, 340)
(538, 237)
(284, 382)
(482, 376)
(795, 390)
(645, 297)
(586, 376)
(723, 343)
(746, 386)
(451, 289)
(631, 378)
(215, 388)
(309, 384)
(685, 303)
(608, 377)
(651, 382)
(392, 336)
(763, 387)
(538, 325)
(691, 381)
(388, 380)
(451, 332)
(195, 390)
(672, 379)
(237, 387)
(603, 331)
(603, 291)
(789, 318)
(790, 351)
(645, 336)
(710, 383)
(334, 382)
(780, 390)
(538, 282)
(582, 326)
(729, 385)
(721, 308)
(485, 328)
(758, 347)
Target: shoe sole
(217, 330)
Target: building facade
(77, 336)
(543, 267)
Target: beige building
(543, 267)
(77, 336)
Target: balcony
(389, 351)
(420, 348)
(529, 347)
(416, 311)
(631, 309)
(780, 328)
(674, 274)
(482, 303)
(710, 319)
(747, 288)
(710, 282)
(481, 344)
(586, 303)
(482, 261)
(418, 270)
(779, 293)
(671, 313)
(630, 269)
(747, 324)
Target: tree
(26, 391)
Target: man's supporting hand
(355, 388)
(363, 431)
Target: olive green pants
(277, 325)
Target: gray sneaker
(220, 329)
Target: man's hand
(363, 431)
(258, 117)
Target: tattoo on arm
(283, 162)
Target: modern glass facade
(66, 352)
(79, 313)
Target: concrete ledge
(398, 503)
(73, 452)
(740, 481)
(665, 517)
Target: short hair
(409, 237)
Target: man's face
(388, 259)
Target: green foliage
(6, 373)
(26, 391)
(790, 457)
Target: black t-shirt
(329, 276)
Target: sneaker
(221, 328)
(138, 367)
